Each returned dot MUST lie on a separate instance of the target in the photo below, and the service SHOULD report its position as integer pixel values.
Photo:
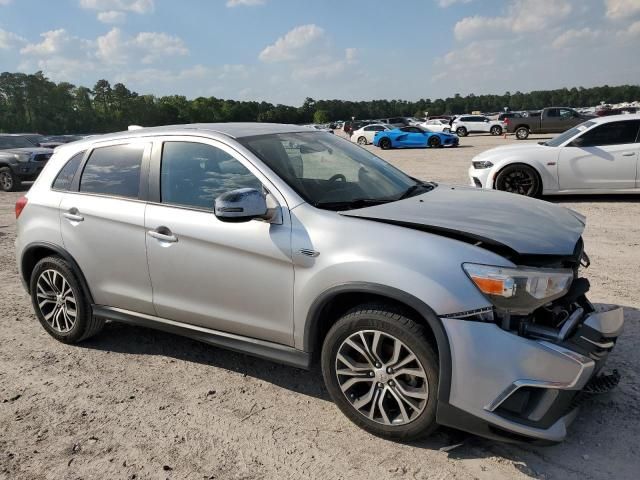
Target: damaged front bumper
(513, 388)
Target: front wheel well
(535, 170)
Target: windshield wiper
(411, 191)
(351, 204)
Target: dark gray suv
(20, 161)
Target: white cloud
(448, 3)
(111, 16)
(54, 42)
(148, 47)
(573, 38)
(295, 44)
(244, 3)
(631, 32)
(135, 6)
(4, 3)
(622, 9)
(522, 16)
(9, 40)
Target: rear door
(605, 157)
(231, 277)
(102, 224)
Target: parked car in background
(549, 120)
(597, 156)
(466, 124)
(395, 121)
(503, 116)
(364, 135)
(40, 140)
(20, 161)
(424, 304)
(439, 125)
(413, 137)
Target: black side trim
(314, 321)
(251, 346)
(61, 252)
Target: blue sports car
(414, 137)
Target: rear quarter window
(65, 177)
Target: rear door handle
(74, 217)
(167, 236)
(628, 154)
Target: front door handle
(73, 215)
(628, 154)
(164, 235)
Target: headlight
(22, 157)
(482, 164)
(519, 290)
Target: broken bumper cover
(508, 387)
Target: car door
(231, 277)
(551, 122)
(102, 224)
(604, 157)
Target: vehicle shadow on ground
(531, 460)
(616, 198)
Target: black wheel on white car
(520, 179)
(8, 181)
(434, 141)
(496, 130)
(60, 303)
(522, 133)
(385, 144)
(382, 373)
(362, 141)
(461, 132)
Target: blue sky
(285, 50)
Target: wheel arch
(34, 252)
(337, 300)
(516, 163)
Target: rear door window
(113, 170)
(613, 133)
(65, 177)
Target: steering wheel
(338, 176)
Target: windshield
(572, 132)
(330, 172)
(14, 142)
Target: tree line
(33, 103)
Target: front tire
(519, 179)
(60, 302)
(522, 133)
(8, 181)
(382, 373)
(362, 141)
(385, 144)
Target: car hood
(28, 150)
(524, 225)
(512, 150)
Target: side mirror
(241, 205)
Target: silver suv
(425, 304)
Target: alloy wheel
(362, 141)
(381, 378)
(6, 181)
(519, 181)
(56, 301)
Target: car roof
(232, 130)
(614, 118)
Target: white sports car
(597, 156)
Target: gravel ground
(134, 403)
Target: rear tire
(434, 141)
(519, 179)
(385, 144)
(362, 141)
(461, 132)
(8, 181)
(496, 130)
(395, 394)
(522, 133)
(60, 303)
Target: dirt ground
(135, 403)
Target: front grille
(41, 157)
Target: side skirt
(250, 346)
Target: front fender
(544, 164)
